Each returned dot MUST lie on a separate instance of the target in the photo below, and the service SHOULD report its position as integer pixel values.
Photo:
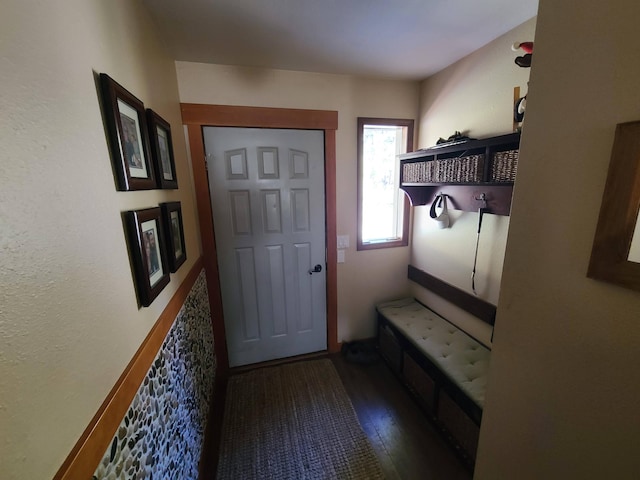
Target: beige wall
(69, 321)
(475, 96)
(367, 277)
(563, 392)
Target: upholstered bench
(461, 358)
(443, 366)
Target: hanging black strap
(475, 258)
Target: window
(383, 209)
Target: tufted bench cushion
(462, 359)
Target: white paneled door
(267, 196)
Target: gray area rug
(293, 422)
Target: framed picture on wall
(127, 134)
(174, 233)
(145, 234)
(162, 150)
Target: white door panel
(267, 196)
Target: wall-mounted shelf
(463, 172)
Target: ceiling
(403, 39)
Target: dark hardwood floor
(407, 444)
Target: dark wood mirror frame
(619, 212)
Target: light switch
(343, 241)
(340, 256)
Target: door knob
(316, 269)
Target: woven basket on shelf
(504, 166)
(448, 170)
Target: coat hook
(482, 198)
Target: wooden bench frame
(453, 412)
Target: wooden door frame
(197, 116)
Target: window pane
(382, 206)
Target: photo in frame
(174, 233)
(145, 234)
(162, 150)
(127, 136)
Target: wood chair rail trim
(85, 456)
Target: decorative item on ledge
(464, 172)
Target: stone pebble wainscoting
(161, 435)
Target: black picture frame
(162, 150)
(128, 137)
(174, 233)
(147, 247)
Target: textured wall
(563, 392)
(161, 435)
(474, 95)
(367, 277)
(69, 321)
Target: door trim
(197, 116)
